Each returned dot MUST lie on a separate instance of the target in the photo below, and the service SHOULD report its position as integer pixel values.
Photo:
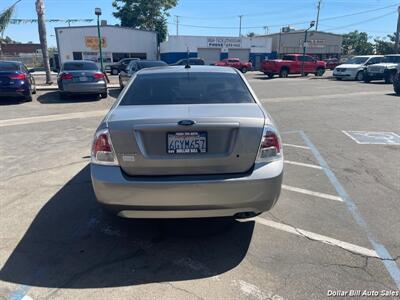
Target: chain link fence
(30, 60)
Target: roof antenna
(187, 65)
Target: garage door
(209, 55)
(242, 54)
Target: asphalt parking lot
(335, 227)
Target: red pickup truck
(235, 63)
(292, 64)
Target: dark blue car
(16, 80)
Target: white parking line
(311, 193)
(302, 164)
(317, 237)
(49, 118)
(296, 146)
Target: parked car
(135, 66)
(81, 77)
(331, 63)
(16, 80)
(354, 68)
(235, 63)
(292, 64)
(160, 153)
(115, 69)
(193, 61)
(385, 70)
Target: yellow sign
(92, 42)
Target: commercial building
(212, 48)
(81, 42)
(319, 44)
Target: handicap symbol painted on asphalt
(371, 137)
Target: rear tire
(338, 78)
(270, 75)
(28, 98)
(396, 88)
(114, 72)
(360, 76)
(284, 73)
(104, 95)
(244, 70)
(367, 79)
(320, 72)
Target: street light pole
(97, 11)
(240, 25)
(304, 46)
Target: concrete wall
(176, 47)
(118, 40)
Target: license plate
(187, 142)
(83, 78)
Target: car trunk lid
(140, 137)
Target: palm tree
(43, 39)
(5, 17)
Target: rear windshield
(8, 66)
(77, 66)
(187, 88)
(357, 60)
(150, 64)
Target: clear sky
(221, 16)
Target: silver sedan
(81, 77)
(187, 142)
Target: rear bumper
(84, 88)
(187, 196)
(14, 92)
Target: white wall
(118, 39)
(182, 42)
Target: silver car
(81, 77)
(185, 143)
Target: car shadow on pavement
(10, 100)
(114, 92)
(54, 98)
(71, 243)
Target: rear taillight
(66, 76)
(102, 149)
(19, 76)
(270, 146)
(98, 76)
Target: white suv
(354, 68)
(385, 70)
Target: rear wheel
(104, 95)
(338, 78)
(284, 73)
(244, 70)
(367, 79)
(320, 72)
(396, 87)
(114, 72)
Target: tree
(5, 17)
(384, 46)
(251, 34)
(43, 39)
(357, 43)
(145, 14)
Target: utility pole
(318, 9)
(396, 43)
(43, 39)
(97, 12)
(177, 24)
(266, 30)
(240, 25)
(304, 47)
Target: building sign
(216, 42)
(95, 56)
(313, 43)
(92, 42)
